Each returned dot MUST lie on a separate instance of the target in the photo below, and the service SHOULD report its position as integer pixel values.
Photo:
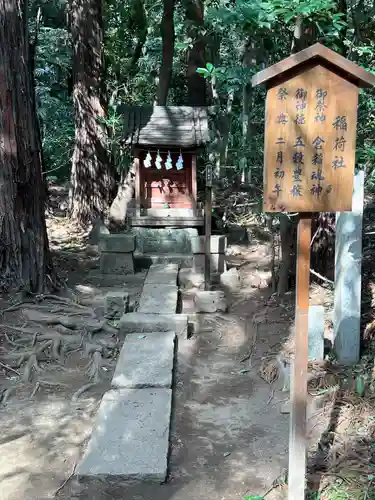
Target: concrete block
(230, 280)
(162, 274)
(97, 231)
(116, 303)
(116, 263)
(316, 333)
(210, 302)
(218, 244)
(158, 299)
(117, 243)
(218, 262)
(148, 323)
(145, 361)
(130, 440)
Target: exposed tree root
(9, 368)
(6, 394)
(49, 337)
(83, 389)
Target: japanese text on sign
(310, 144)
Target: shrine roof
(318, 54)
(173, 126)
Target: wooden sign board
(310, 137)
(311, 115)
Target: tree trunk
(249, 60)
(92, 176)
(196, 85)
(25, 261)
(167, 31)
(298, 38)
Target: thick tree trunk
(25, 261)
(167, 31)
(196, 85)
(92, 176)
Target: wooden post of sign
(297, 433)
(208, 228)
(309, 157)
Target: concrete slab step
(148, 323)
(145, 361)
(162, 274)
(130, 440)
(158, 299)
(145, 260)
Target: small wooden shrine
(165, 141)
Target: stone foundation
(117, 253)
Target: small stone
(188, 279)
(285, 371)
(285, 407)
(231, 280)
(210, 302)
(116, 304)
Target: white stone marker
(348, 263)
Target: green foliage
(133, 55)
(54, 106)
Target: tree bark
(92, 176)
(196, 85)
(167, 31)
(25, 260)
(248, 60)
(298, 38)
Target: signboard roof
(321, 55)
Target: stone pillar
(348, 263)
(117, 253)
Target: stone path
(131, 433)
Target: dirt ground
(229, 438)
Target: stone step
(148, 323)
(158, 299)
(130, 440)
(145, 361)
(162, 274)
(145, 260)
(196, 261)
